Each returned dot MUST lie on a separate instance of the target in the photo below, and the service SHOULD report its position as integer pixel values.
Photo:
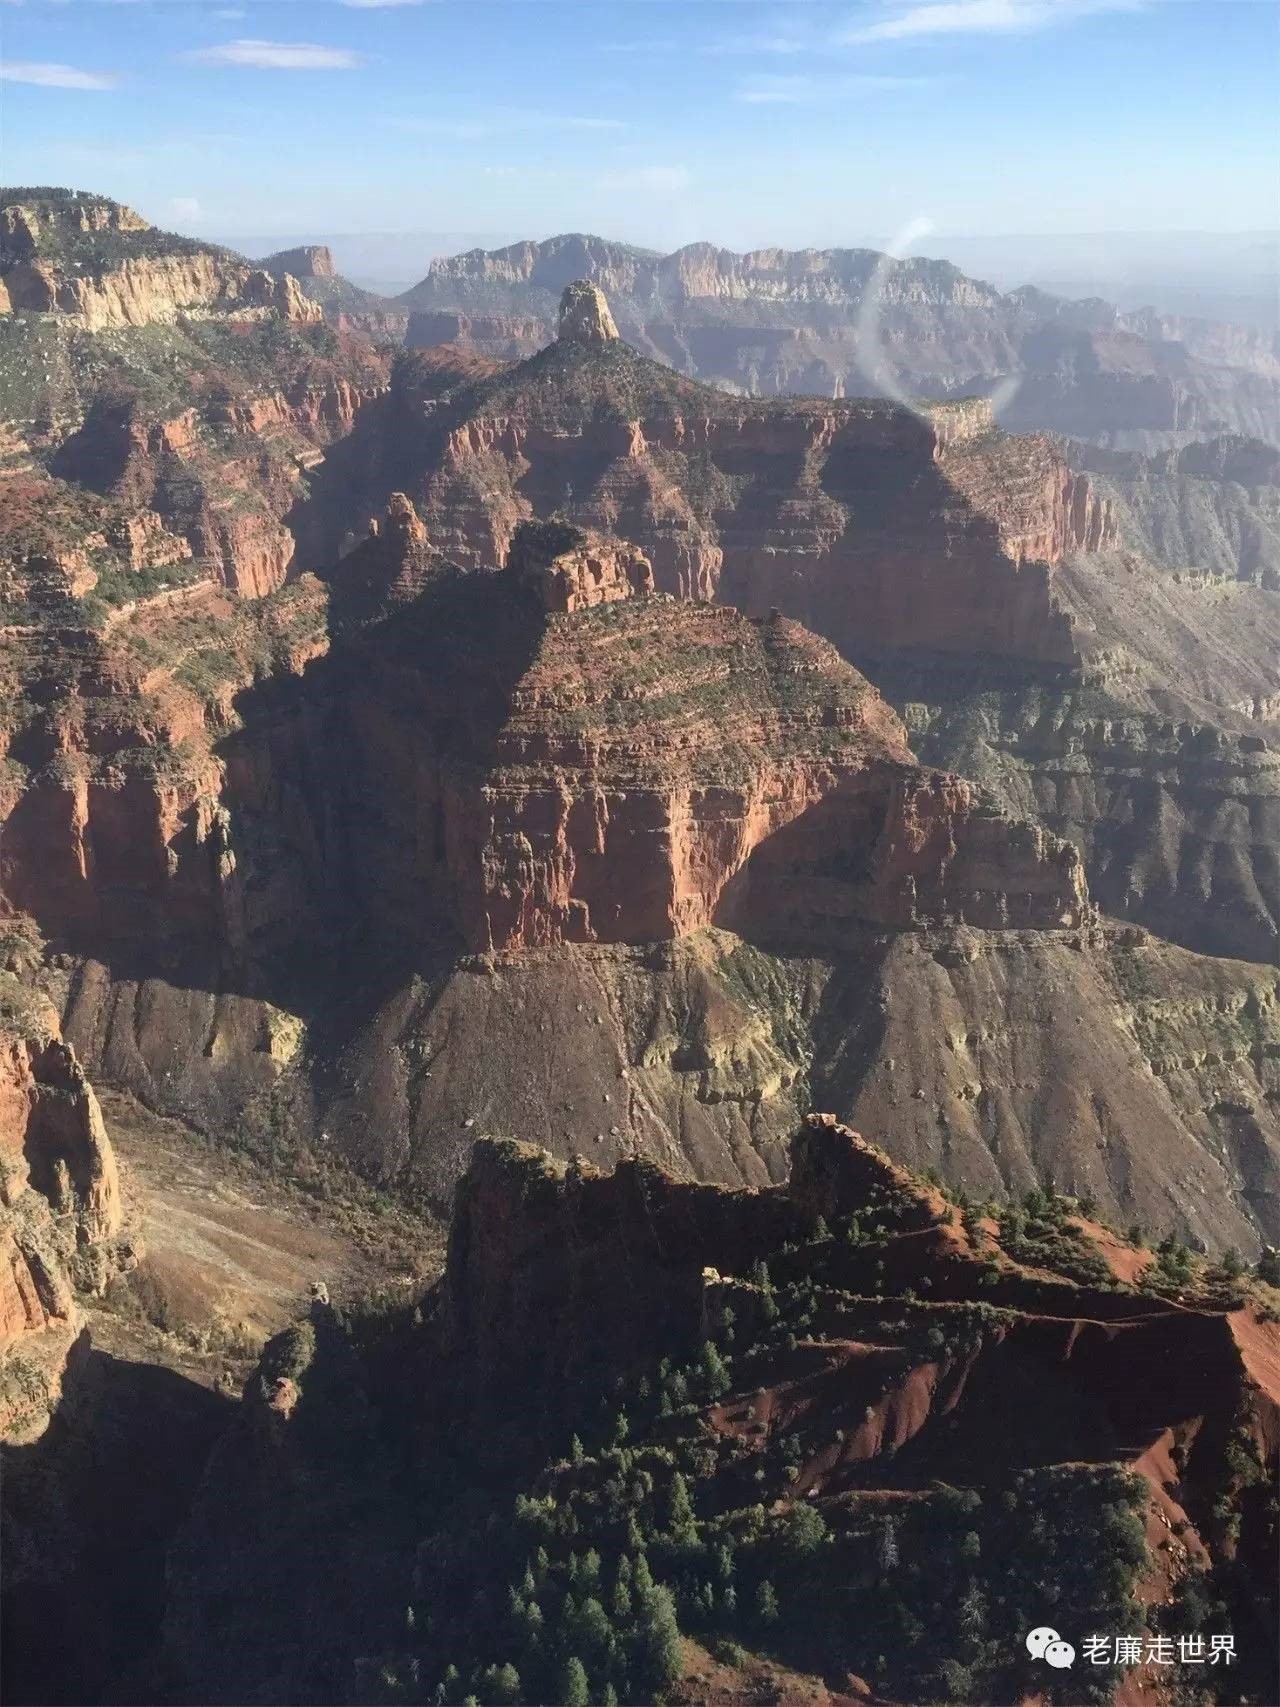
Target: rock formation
(784, 1386)
(573, 569)
(683, 846)
(310, 261)
(914, 541)
(60, 1207)
(584, 317)
(215, 389)
(774, 322)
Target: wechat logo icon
(1046, 1644)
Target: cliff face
(1096, 685)
(776, 321)
(1210, 509)
(170, 376)
(99, 263)
(836, 514)
(620, 768)
(60, 1208)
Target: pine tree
(660, 1652)
(574, 1691)
(506, 1685)
(576, 1454)
(715, 1375)
(681, 1523)
(766, 1603)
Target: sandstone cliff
(777, 321)
(834, 513)
(60, 1207)
(1124, 699)
(169, 375)
(98, 263)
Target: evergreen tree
(660, 1653)
(714, 1373)
(766, 1603)
(573, 1690)
(506, 1685)
(681, 1523)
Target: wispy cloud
(184, 207)
(907, 20)
(50, 75)
(649, 180)
(503, 121)
(649, 44)
(773, 43)
(794, 90)
(376, 5)
(278, 56)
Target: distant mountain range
(836, 322)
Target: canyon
(833, 322)
(510, 786)
(298, 839)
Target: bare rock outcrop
(92, 259)
(60, 1209)
(573, 568)
(585, 318)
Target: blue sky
(660, 121)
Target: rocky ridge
(168, 375)
(776, 321)
(60, 1207)
(809, 1378)
(53, 260)
(697, 838)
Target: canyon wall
(60, 1208)
(833, 322)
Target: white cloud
(279, 56)
(652, 180)
(915, 19)
(793, 91)
(53, 76)
(503, 121)
(777, 45)
(184, 207)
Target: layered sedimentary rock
(1208, 510)
(572, 569)
(345, 306)
(91, 259)
(983, 584)
(834, 513)
(169, 376)
(633, 779)
(834, 322)
(60, 1207)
